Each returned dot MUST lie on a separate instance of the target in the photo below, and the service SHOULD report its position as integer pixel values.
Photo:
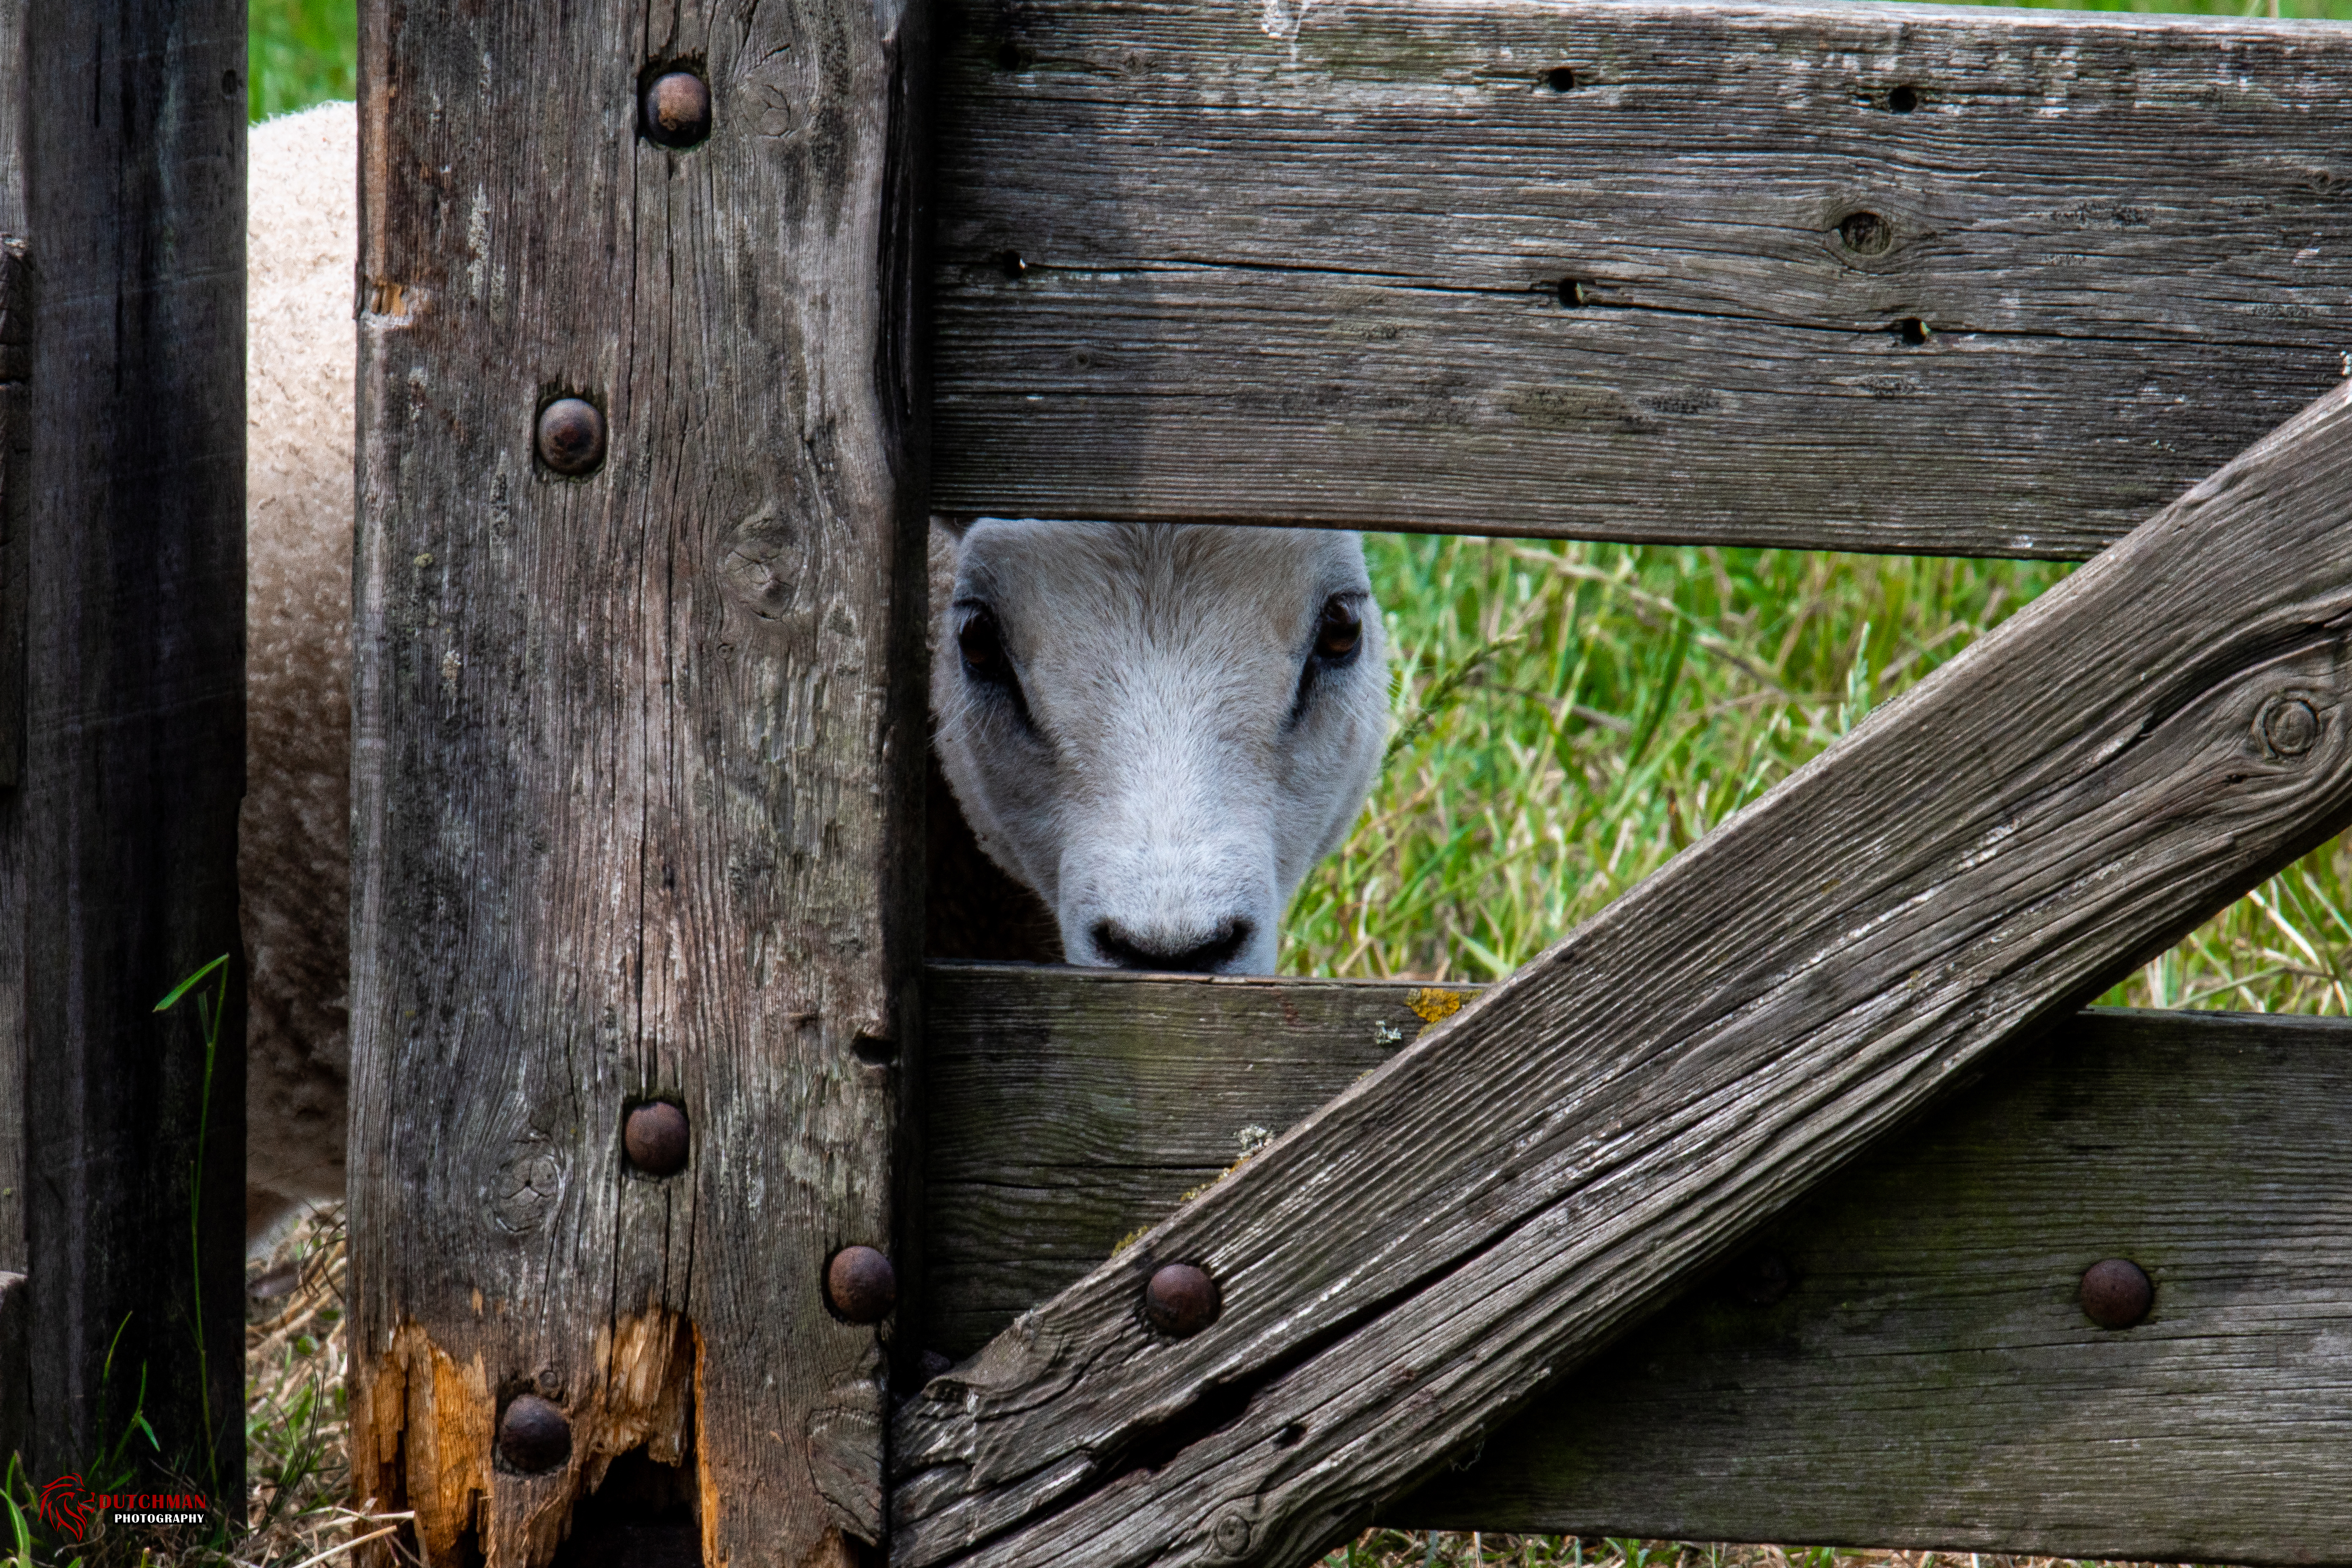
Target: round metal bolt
(1867, 234)
(1233, 1535)
(656, 1138)
(2116, 1293)
(860, 1285)
(2289, 726)
(572, 436)
(533, 1434)
(677, 108)
(1180, 1300)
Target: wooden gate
(675, 322)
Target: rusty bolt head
(2289, 726)
(533, 1434)
(656, 1138)
(1180, 1299)
(572, 436)
(1233, 1534)
(860, 1285)
(2116, 1293)
(677, 108)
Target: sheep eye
(1341, 629)
(981, 642)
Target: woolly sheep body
(294, 849)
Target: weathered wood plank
(1479, 1214)
(1926, 1380)
(1931, 1378)
(1066, 1109)
(637, 755)
(118, 847)
(1302, 263)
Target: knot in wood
(572, 436)
(2116, 1293)
(656, 1137)
(1180, 1300)
(1867, 234)
(675, 110)
(1231, 1534)
(2289, 725)
(860, 1285)
(533, 1434)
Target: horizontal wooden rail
(1903, 1362)
(1873, 276)
(1417, 1260)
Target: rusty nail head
(677, 108)
(1233, 1535)
(2289, 726)
(533, 1434)
(1180, 1300)
(2116, 1293)
(860, 1285)
(656, 1138)
(572, 436)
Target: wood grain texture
(1066, 1109)
(118, 849)
(1931, 1379)
(16, 437)
(15, 449)
(1302, 264)
(1417, 1259)
(1928, 1379)
(637, 763)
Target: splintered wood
(1413, 1262)
(638, 735)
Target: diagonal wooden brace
(1406, 1267)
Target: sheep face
(1158, 727)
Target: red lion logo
(64, 1506)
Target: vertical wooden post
(639, 728)
(124, 155)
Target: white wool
(1178, 754)
(293, 859)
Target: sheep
(1143, 736)
(1159, 728)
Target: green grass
(1571, 716)
(299, 53)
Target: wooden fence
(1799, 1153)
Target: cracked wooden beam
(638, 734)
(1410, 1265)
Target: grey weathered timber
(1475, 1218)
(1303, 263)
(1064, 1110)
(15, 434)
(637, 763)
(122, 570)
(1925, 1377)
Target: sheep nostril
(1181, 955)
